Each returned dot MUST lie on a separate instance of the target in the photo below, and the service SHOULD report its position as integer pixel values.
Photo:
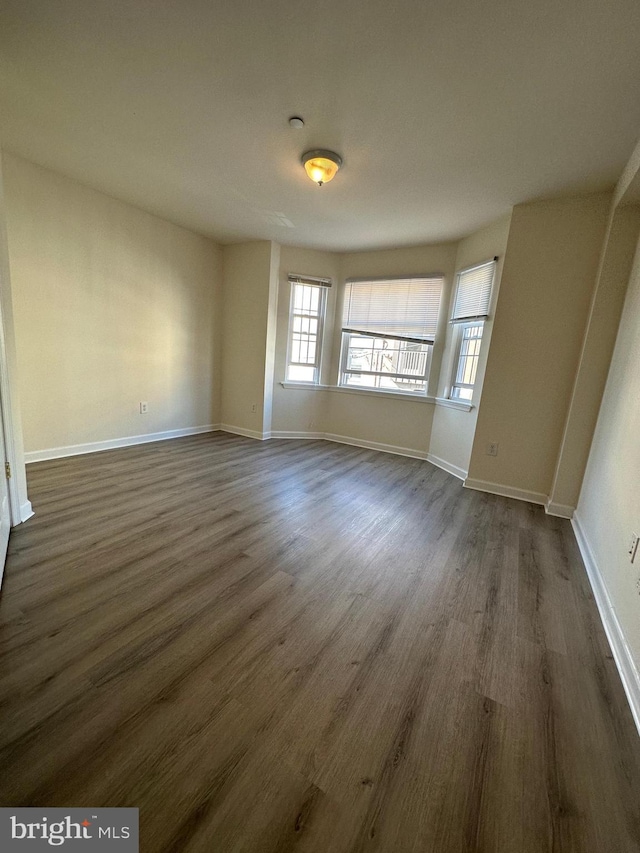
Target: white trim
(457, 341)
(94, 447)
(26, 511)
(622, 655)
(6, 401)
(506, 491)
(449, 467)
(551, 508)
(247, 433)
(376, 445)
(559, 510)
(284, 433)
(320, 316)
(113, 443)
(354, 442)
(454, 404)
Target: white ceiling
(446, 112)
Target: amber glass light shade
(321, 166)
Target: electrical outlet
(633, 547)
(144, 408)
(492, 448)
(254, 407)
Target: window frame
(322, 286)
(401, 330)
(345, 371)
(481, 295)
(458, 355)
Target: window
(470, 310)
(306, 317)
(466, 365)
(388, 330)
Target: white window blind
(401, 308)
(473, 293)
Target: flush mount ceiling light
(321, 165)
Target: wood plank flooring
(286, 645)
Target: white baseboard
(353, 442)
(95, 446)
(460, 473)
(283, 433)
(112, 444)
(550, 507)
(622, 655)
(559, 510)
(506, 491)
(26, 511)
(376, 445)
(247, 433)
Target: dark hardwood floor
(306, 646)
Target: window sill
(304, 386)
(367, 392)
(454, 404)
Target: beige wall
(600, 335)
(20, 505)
(113, 306)
(454, 429)
(609, 505)
(403, 424)
(249, 305)
(547, 283)
(270, 344)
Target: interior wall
(249, 306)
(609, 506)
(454, 429)
(547, 282)
(604, 318)
(113, 307)
(21, 508)
(272, 327)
